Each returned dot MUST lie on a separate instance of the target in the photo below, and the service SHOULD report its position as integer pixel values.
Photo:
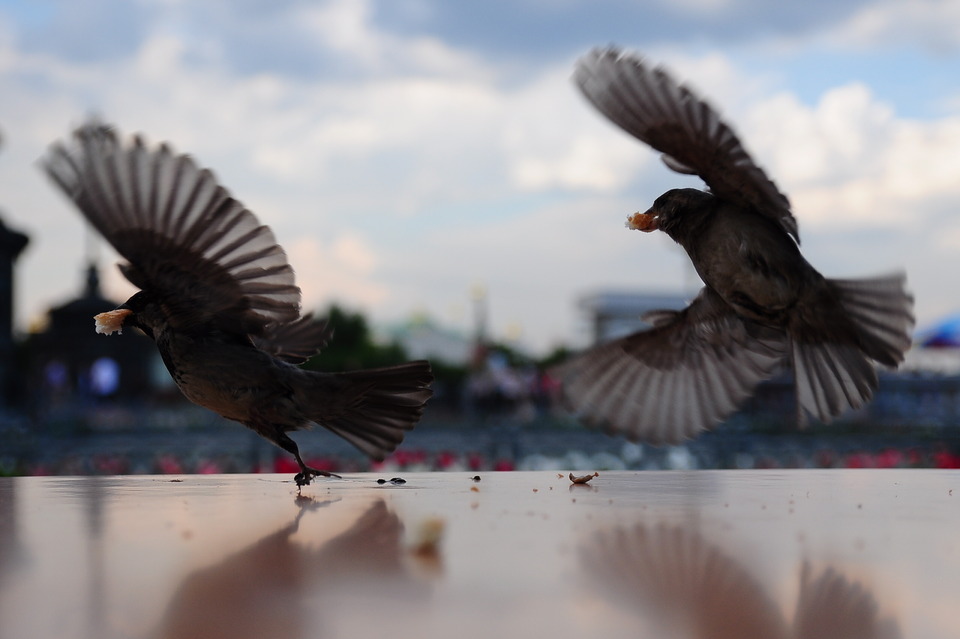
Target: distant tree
(352, 346)
(554, 357)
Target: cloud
(931, 24)
(342, 270)
(850, 160)
(591, 154)
(425, 153)
(532, 31)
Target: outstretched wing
(666, 384)
(187, 241)
(296, 341)
(649, 104)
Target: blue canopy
(944, 334)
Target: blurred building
(12, 244)
(422, 338)
(69, 360)
(613, 314)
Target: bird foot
(306, 475)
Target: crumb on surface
(583, 479)
(428, 536)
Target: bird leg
(306, 473)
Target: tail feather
(380, 406)
(832, 378)
(882, 310)
(833, 359)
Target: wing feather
(185, 238)
(684, 375)
(649, 104)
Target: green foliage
(352, 346)
(451, 374)
(556, 356)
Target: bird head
(676, 213)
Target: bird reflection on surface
(12, 552)
(275, 587)
(688, 587)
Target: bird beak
(645, 222)
(112, 321)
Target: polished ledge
(800, 553)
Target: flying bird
(218, 297)
(762, 308)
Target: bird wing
(295, 342)
(649, 104)
(689, 371)
(832, 604)
(187, 241)
(676, 579)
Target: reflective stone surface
(657, 554)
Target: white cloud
(715, 78)
(403, 186)
(343, 270)
(931, 23)
(344, 26)
(552, 138)
(850, 160)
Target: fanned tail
(860, 323)
(380, 405)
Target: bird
(218, 297)
(762, 310)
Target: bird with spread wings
(218, 297)
(762, 308)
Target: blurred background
(443, 191)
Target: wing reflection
(276, 587)
(687, 587)
(831, 605)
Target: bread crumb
(426, 541)
(583, 478)
(111, 321)
(645, 222)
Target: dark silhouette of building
(70, 361)
(12, 244)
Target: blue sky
(407, 151)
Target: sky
(409, 153)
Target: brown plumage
(763, 306)
(219, 299)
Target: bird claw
(305, 476)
